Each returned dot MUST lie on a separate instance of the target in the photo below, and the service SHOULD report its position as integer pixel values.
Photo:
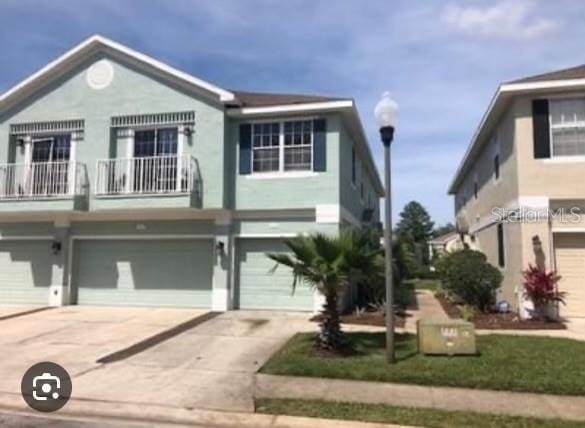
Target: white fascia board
(544, 85)
(223, 95)
(97, 40)
(291, 108)
(47, 68)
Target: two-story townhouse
(519, 189)
(124, 181)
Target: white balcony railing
(38, 180)
(147, 175)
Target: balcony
(46, 186)
(156, 181)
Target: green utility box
(455, 337)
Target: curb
(441, 398)
(89, 410)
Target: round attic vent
(100, 74)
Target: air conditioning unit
(455, 337)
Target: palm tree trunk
(331, 336)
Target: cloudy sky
(442, 60)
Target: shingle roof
(577, 72)
(265, 99)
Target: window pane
(166, 143)
(297, 158)
(144, 143)
(568, 127)
(62, 147)
(265, 160)
(568, 141)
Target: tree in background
(416, 222)
(413, 232)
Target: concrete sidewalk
(116, 414)
(443, 398)
(428, 307)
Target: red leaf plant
(540, 287)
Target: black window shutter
(501, 248)
(245, 148)
(319, 145)
(541, 129)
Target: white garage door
(144, 272)
(258, 288)
(25, 271)
(570, 259)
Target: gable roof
(566, 79)
(99, 43)
(267, 99)
(577, 72)
(238, 102)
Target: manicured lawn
(424, 284)
(403, 415)
(511, 363)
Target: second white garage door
(570, 259)
(258, 288)
(143, 272)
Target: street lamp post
(385, 113)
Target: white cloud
(504, 20)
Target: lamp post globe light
(385, 114)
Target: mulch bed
(498, 321)
(368, 318)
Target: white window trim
(132, 137)
(28, 152)
(282, 173)
(564, 159)
(277, 174)
(561, 158)
(28, 146)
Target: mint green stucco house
(124, 181)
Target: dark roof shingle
(577, 72)
(265, 99)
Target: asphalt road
(13, 420)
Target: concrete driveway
(208, 366)
(75, 337)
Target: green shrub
(440, 292)
(467, 275)
(468, 312)
(426, 273)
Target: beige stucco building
(520, 188)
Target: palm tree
(329, 264)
